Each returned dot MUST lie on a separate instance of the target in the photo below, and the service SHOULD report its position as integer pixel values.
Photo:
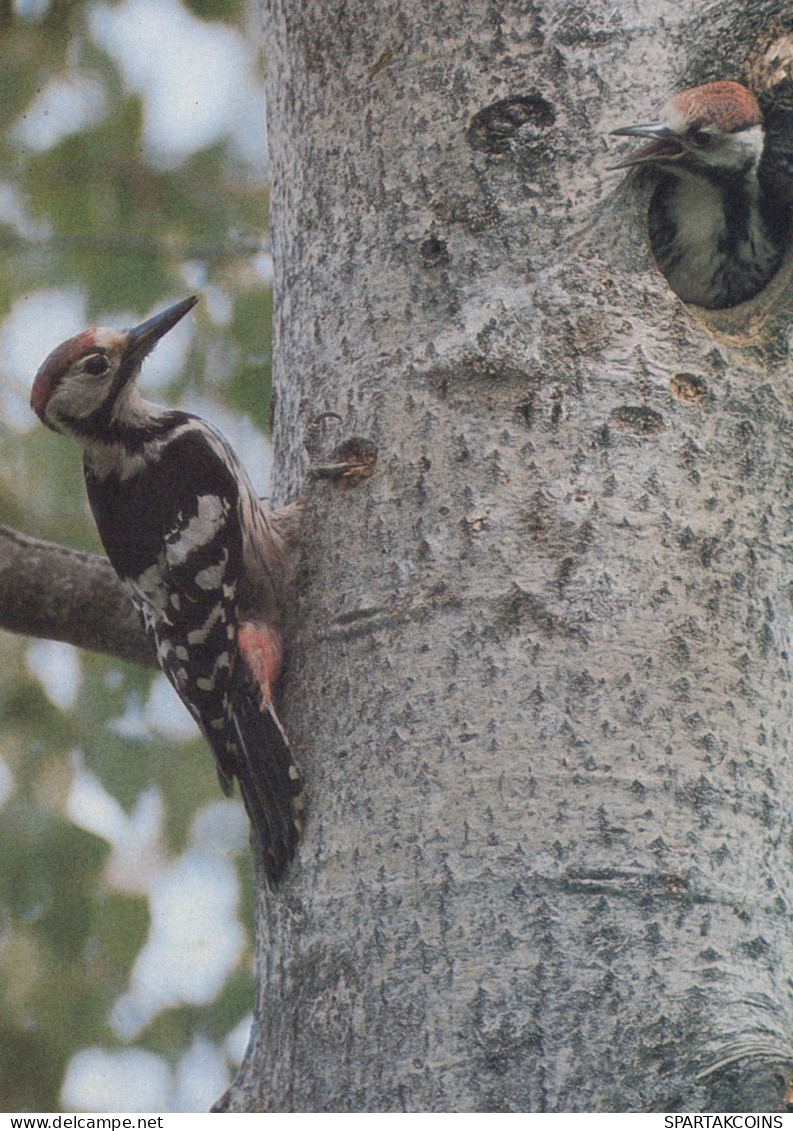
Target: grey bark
(540, 679)
(64, 594)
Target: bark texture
(64, 594)
(541, 679)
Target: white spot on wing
(148, 592)
(199, 635)
(199, 530)
(211, 576)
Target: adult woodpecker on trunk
(717, 232)
(203, 562)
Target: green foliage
(127, 236)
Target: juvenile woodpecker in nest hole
(718, 227)
(203, 562)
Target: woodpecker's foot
(350, 464)
(261, 647)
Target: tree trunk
(540, 675)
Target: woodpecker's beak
(142, 339)
(664, 144)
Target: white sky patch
(14, 212)
(135, 839)
(91, 807)
(31, 9)
(135, 1080)
(195, 941)
(132, 724)
(100, 1080)
(7, 783)
(220, 827)
(202, 1076)
(166, 714)
(163, 714)
(236, 1043)
(263, 265)
(194, 273)
(218, 304)
(197, 79)
(249, 131)
(114, 679)
(67, 105)
(35, 325)
(58, 669)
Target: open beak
(664, 144)
(142, 339)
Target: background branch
(64, 594)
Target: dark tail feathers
(270, 780)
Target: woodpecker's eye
(96, 365)
(701, 137)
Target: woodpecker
(718, 234)
(203, 562)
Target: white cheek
(83, 396)
(743, 148)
